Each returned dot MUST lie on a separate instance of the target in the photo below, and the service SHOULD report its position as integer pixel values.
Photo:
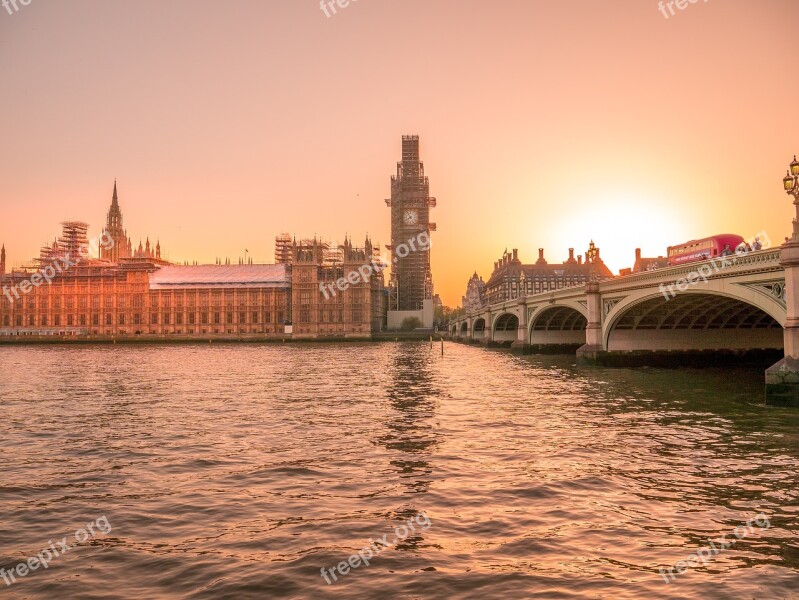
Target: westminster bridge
(718, 307)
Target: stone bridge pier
(782, 379)
(593, 330)
(522, 343)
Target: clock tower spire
(410, 203)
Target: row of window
(83, 304)
(537, 286)
(205, 318)
(135, 301)
(164, 331)
(331, 297)
(366, 328)
(704, 245)
(330, 316)
(56, 288)
(111, 288)
(190, 298)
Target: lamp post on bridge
(590, 256)
(588, 353)
(782, 379)
(791, 184)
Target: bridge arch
(558, 324)
(464, 328)
(697, 319)
(505, 327)
(479, 328)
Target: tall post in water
(782, 379)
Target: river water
(240, 471)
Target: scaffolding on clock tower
(411, 280)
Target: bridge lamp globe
(788, 182)
(795, 167)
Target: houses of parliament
(124, 290)
(133, 291)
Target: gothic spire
(114, 201)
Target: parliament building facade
(122, 290)
(125, 291)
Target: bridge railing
(761, 260)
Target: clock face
(410, 217)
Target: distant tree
(454, 313)
(442, 316)
(410, 323)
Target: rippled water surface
(238, 471)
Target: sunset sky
(542, 123)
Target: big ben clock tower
(411, 280)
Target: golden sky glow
(542, 123)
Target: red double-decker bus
(710, 247)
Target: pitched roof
(513, 269)
(196, 276)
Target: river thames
(242, 471)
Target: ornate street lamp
(590, 257)
(791, 184)
(591, 252)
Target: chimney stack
(579, 259)
(515, 254)
(571, 254)
(637, 254)
(541, 260)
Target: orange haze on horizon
(542, 124)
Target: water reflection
(238, 472)
(411, 433)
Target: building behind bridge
(512, 279)
(475, 297)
